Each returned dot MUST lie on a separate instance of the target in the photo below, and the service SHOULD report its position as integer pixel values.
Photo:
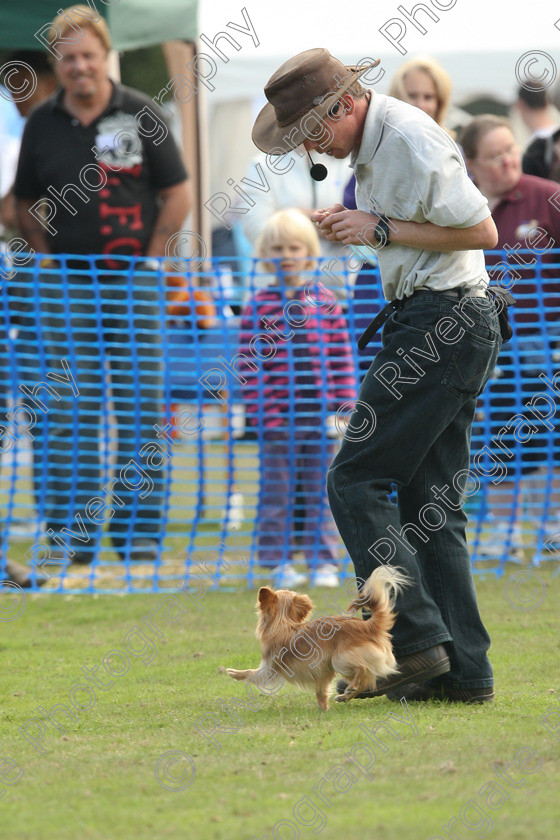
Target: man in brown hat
(428, 222)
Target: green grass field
(155, 752)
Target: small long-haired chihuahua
(312, 652)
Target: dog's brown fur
(358, 650)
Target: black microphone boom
(318, 171)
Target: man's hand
(320, 217)
(356, 227)
(351, 227)
(8, 211)
(30, 228)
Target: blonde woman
(424, 83)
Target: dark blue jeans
(110, 333)
(420, 441)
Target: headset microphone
(318, 171)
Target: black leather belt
(454, 294)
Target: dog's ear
(300, 607)
(266, 598)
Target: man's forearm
(356, 227)
(176, 205)
(30, 228)
(430, 237)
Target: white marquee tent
(479, 42)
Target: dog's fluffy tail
(380, 590)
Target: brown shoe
(21, 576)
(416, 668)
(426, 692)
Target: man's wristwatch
(381, 232)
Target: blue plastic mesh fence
(140, 448)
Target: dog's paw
(345, 696)
(234, 674)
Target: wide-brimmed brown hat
(299, 95)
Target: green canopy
(133, 23)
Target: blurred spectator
(11, 126)
(10, 130)
(292, 390)
(542, 155)
(92, 125)
(31, 80)
(424, 83)
(523, 214)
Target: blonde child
(298, 371)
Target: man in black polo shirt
(99, 174)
